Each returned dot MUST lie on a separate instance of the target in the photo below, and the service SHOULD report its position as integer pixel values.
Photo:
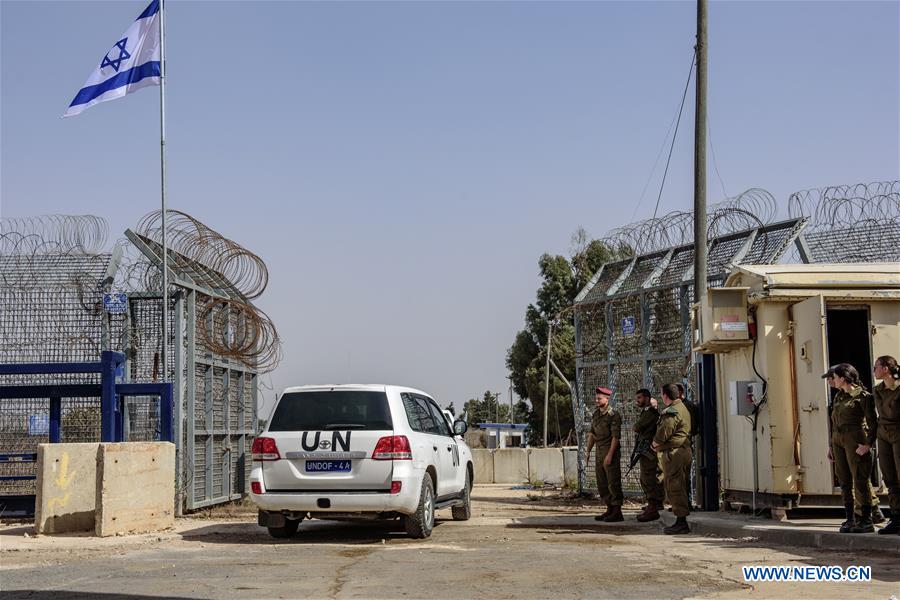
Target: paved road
(516, 546)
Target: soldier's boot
(864, 525)
(615, 516)
(679, 526)
(602, 517)
(892, 527)
(650, 514)
(877, 516)
(847, 525)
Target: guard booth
(774, 330)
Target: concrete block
(484, 465)
(545, 464)
(511, 465)
(135, 487)
(66, 488)
(570, 465)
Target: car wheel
(419, 524)
(287, 530)
(463, 511)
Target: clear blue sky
(401, 166)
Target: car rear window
(323, 410)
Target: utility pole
(512, 410)
(700, 159)
(547, 379)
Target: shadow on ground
(56, 594)
(311, 532)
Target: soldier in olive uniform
(887, 405)
(672, 442)
(606, 431)
(853, 429)
(651, 474)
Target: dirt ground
(519, 544)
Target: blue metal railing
(112, 398)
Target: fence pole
(55, 419)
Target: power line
(675, 135)
(715, 162)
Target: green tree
(487, 409)
(561, 280)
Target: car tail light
(393, 447)
(265, 449)
(395, 487)
(256, 487)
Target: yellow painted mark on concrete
(63, 480)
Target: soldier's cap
(829, 373)
(604, 390)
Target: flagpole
(162, 164)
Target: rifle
(641, 448)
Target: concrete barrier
(66, 494)
(570, 465)
(135, 487)
(545, 465)
(484, 465)
(510, 465)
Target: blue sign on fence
(115, 303)
(38, 424)
(628, 325)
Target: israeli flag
(133, 62)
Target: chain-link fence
(52, 286)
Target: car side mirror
(460, 427)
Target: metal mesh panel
(642, 270)
(217, 474)
(51, 311)
(665, 328)
(142, 416)
(722, 252)
(624, 341)
(218, 397)
(608, 276)
(856, 243)
(682, 260)
(23, 425)
(145, 343)
(593, 330)
(80, 421)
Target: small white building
(505, 435)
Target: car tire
(463, 511)
(287, 530)
(419, 524)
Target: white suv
(359, 451)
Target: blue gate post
(110, 415)
(165, 414)
(55, 419)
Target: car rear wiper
(344, 426)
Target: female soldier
(853, 425)
(887, 403)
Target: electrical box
(720, 322)
(743, 396)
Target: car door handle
(434, 448)
(449, 448)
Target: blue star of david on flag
(135, 60)
(117, 62)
